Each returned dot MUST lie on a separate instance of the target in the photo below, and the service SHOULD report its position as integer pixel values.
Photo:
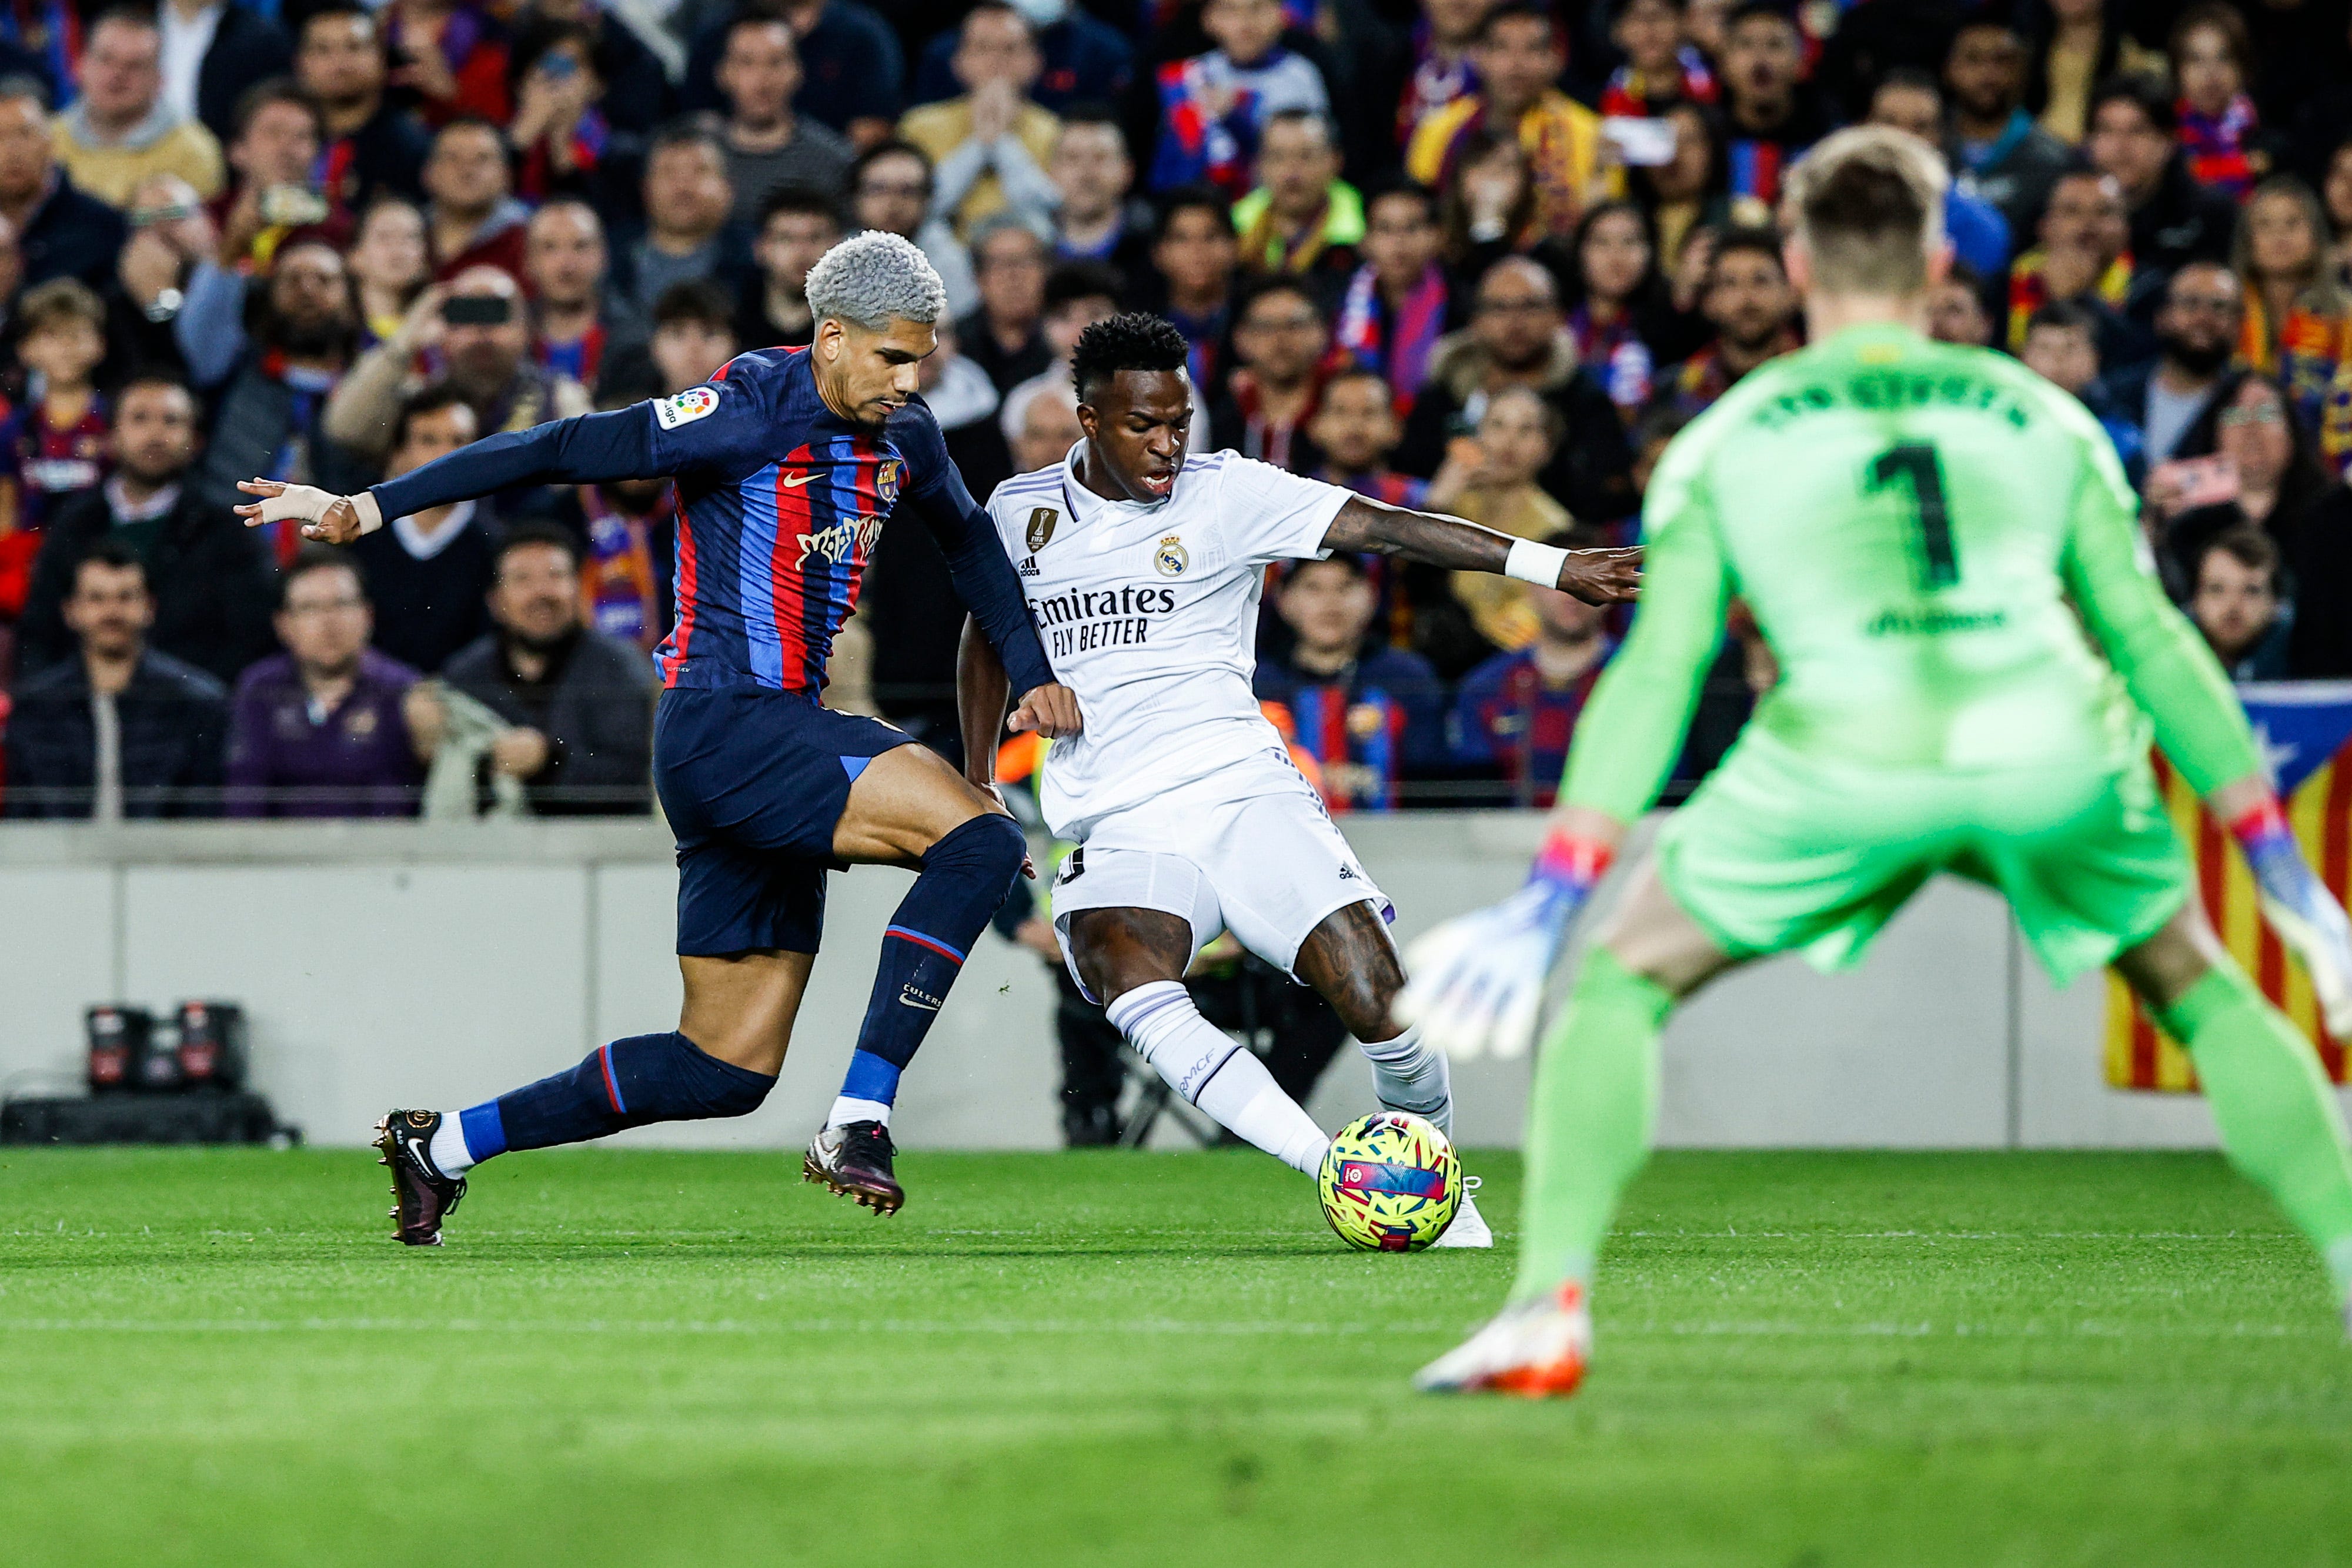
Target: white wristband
(1531, 562)
(370, 515)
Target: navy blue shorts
(754, 782)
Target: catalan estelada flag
(2304, 729)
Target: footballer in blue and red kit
(781, 503)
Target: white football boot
(1538, 1348)
(1469, 1228)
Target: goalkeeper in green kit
(1924, 533)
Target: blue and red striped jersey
(781, 502)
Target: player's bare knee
(2164, 967)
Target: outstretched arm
(1594, 575)
(586, 449)
(982, 690)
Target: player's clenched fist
(324, 516)
(1052, 710)
(1602, 576)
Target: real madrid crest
(1041, 527)
(1172, 557)
(888, 477)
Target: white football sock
(448, 1150)
(1217, 1073)
(847, 1110)
(1412, 1077)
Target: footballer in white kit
(1142, 567)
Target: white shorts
(1249, 851)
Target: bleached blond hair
(1868, 206)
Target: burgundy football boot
(421, 1196)
(854, 1161)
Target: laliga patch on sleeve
(687, 406)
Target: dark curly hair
(1137, 341)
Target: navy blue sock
(965, 876)
(645, 1078)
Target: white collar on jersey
(1083, 501)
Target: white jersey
(1148, 612)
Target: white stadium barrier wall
(384, 964)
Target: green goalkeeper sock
(1594, 1103)
(2278, 1120)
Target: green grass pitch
(652, 1358)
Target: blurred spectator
(452, 56)
(1085, 61)
(853, 73)
(390, 264)
(475, 331)
(2235, 602)
(581, 704)
(1754, 313)
(1623, 323)
(2082, 260)
(577, 324)
(989, 147)
(2174, 220)
(2061, 346)
(688, 229)
(211, 48)
(1956, 311)
(1910, 101)
(2335, 196)
(1077, 295)
(2265, 464)
(1279, 340)
(1772, 114)
(562, 141)
(1515, 337)
(2298, 320)
(2084, 44)
(1096, 219)
(1489, 209)
(1397, 305)
(797, 227)
(630, 529)
(53, 447)
(1302, 218)
(1662, 67)
(120, 129)
(475, 219)
(1005, 336)
(371, 148)
(430, 574)
(2197, 330)
(2009, 160)
(1516, 714)
(170, 236)
(1195, 255)
(694, 334)
(266, 422)
(1518, 58)
(1689, 194)
(890, 189)
(272, 156)
(1049, 427)
(636, 85)
(1370, 714)
(61, 230)
(1491, 480)
(767, 145)
(320, 730)
(1355, 429)
(1442, 37)
(211, 588)
(121, 731)
(2212, 60)
(1213, 106)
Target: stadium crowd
(1480, 256)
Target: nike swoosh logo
(919, 1007)
(792, 484)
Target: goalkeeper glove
(1478, 981)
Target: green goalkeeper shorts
(1780, 849)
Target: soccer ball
(1391, 1182)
